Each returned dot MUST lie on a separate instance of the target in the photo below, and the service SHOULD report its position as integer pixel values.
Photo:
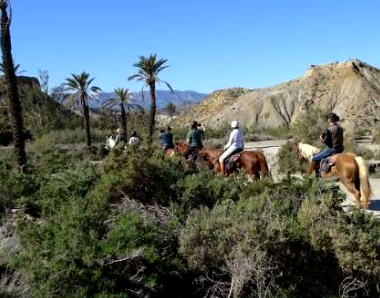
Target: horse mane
(307, 150)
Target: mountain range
(163, 97)
(351, 89)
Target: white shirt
(134, 141)
(236, 139)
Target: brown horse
(254, 162)
(178, 148)
(350, 168)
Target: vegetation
(81, 84)
(148, 71)
(141, 225)
(171, 109)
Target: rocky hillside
(351, 89)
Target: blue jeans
(323, 154)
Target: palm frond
(139, 77)
(95, 89)
(168, 85)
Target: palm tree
(16, 68)
(14, 103)
(81, 84)
(123, 98)
(148, 70)
(171, 108)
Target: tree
(16, 68)
(81, 84)
(171, 108)
(14, 103)
(123, 98)
(148, 71)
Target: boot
(312, 167)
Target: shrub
(73, 136)
(206, 189)
(86, 249)
(276, 242)
(287, 160)
(309, 127)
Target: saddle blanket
(230, 162)
(328, 162)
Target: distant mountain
(351, 89)
(163, 97)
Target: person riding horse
(235, 144)
(134, 141)
(167, 139)
(119, 136)
(332, 137)
(194, 139)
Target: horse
(254, 162)
(350, 168)
(178, 148)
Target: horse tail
(365, 190)
(264, 165)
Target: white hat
(234, 124)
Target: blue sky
(210, 44)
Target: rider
(119, 136)
(194, 139)
(134, 140)
(332, 137)
(167, 139)
(236, 143)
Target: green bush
(309, 127)
(292, 240)
(206, 189)
(14, 185)
(287, 160)
(86, 249)
(73, 136)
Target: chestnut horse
(350, 168)
(254, 162)
(178, 148)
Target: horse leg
(350, 186)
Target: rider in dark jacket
(332, 137)
(194, 139)
(167, 139)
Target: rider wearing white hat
(235, 142)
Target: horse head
(211, 156)
(180, 147)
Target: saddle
(327, 163)
(194, 156)
(232, 160)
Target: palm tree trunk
(14, 103)
(152, 115)
(123, 121)
(86, 115)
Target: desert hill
(351, 89)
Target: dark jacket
(333, 137)
(167, 139)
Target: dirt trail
(271, 148)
